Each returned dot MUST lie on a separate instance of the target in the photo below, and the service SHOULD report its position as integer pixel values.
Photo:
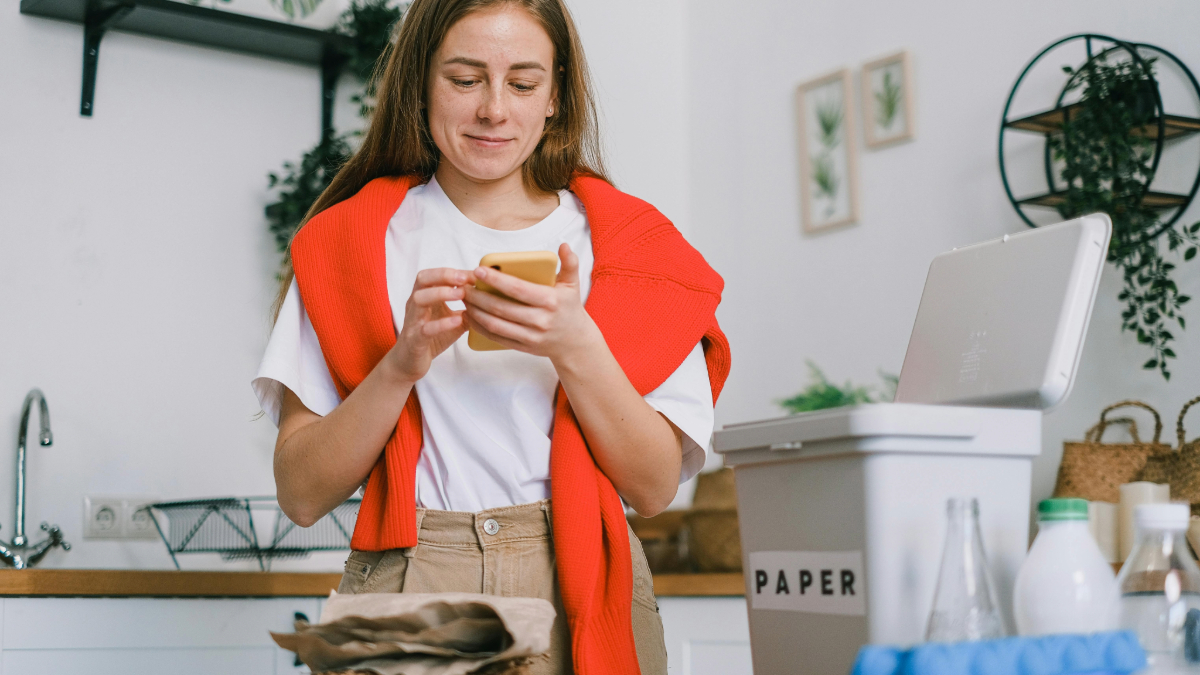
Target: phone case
(538, 267)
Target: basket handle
(1130, 424)
(1093, 435)
(1179, 422)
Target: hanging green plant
(369, 25)
(1107, 160)
(300, 184)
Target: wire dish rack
(227, 526)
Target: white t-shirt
(486, 416)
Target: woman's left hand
(545, 321)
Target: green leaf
(1169, 352)
(1190, 253)
(1149, 365)
(1182, 299)
(821, 394)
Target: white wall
(846, 299)
(136, 269)
(636, 52)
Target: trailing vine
(1106, 150)
(368, 24)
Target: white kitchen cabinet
(203, 636)
(705, 636)
(119, 636)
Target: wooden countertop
(155, 583)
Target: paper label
(815, 582)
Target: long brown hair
(397, 140)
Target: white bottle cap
(1173, 516)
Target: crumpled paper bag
(421, 633)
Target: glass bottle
(964, 604)
(1160, 589)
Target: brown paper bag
(1179, 469)
(423, 634)
(1092, 469)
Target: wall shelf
(1051, 121)
(197, 25)
(1158, 128)
(1154, 200)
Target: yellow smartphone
(538, 267)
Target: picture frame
(887, 100)
(828, 165)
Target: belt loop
(545, 504)
(411, 551)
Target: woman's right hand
(430, 326)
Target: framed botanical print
(828, 172)
(887, 100)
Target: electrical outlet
(137, 522)
(102, 517)
(113, 517)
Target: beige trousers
(505, 551)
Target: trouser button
(491, 526)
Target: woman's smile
(489, 142)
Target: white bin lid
(1002, 323)
(884, 427)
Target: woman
(506, 470)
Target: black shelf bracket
(332, 61)
(206, 26)
(95, 24)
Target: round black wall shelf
(1163, 128)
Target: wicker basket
(1092, 469)
(1181, 468)
(715, 541)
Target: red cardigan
(653, 297)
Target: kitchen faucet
(19, 554)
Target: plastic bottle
(1160, 590)
(1065, 585)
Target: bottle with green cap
(1065, 585)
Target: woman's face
(490, 91)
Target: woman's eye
(523, 87)
(463, 83)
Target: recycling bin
(843, 517)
